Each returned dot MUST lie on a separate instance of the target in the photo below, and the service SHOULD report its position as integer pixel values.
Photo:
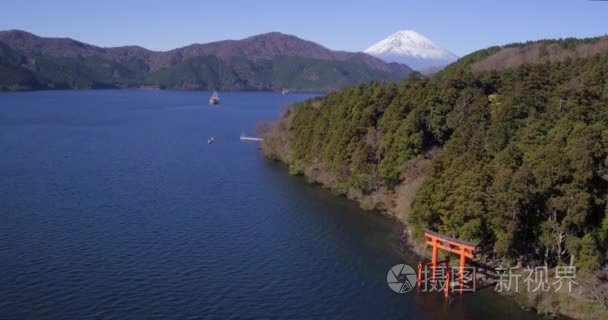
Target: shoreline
(550, 306)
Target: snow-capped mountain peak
(411, 48)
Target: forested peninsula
(507, 147)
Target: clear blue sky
(460, 26)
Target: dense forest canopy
(523, 160)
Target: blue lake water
(113, 205)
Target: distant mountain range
(271, 61)
(413, 49)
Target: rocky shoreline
(549, 306)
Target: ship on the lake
(215, 98)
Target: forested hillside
(271, 61)
(515, 158)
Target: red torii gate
(465, 249)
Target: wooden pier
(244, 137)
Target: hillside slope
(531, 53)
(13, 76)
(265, 62)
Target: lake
(113, 205)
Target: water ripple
(118, 208)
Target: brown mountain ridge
(270, 61)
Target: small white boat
(284, 91)
(215, 98)
(211, 140)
